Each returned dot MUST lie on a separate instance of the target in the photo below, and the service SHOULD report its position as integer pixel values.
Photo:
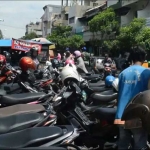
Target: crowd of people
(69, 58)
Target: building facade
(34, 27)
(131, 9)
(51, 13)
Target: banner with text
(25, 46)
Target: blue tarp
(5, 43)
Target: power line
(12, 26)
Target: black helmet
(7, 55)
(32, 50)
(139, 108)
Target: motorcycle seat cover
(105, 113)
(19, 122)
(90, 77)
(43, 148)
(97, 84)
(21, 108)
(104, 97)
(29, 137)
(20, 98)
(99, 89)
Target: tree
(133, 34)
(144, 38)
(30, 36)
(1, 34)
(62, 37)
(106, 24)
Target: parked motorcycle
(95, 129)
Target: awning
(5, 43)
(42, 40)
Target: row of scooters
(66, 120)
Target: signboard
(25, 46)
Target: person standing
(132, 80)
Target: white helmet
(115, 84)
(69, 72)
(48, 63)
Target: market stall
(21, 48)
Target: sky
(16, 14)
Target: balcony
(128, 2)
(115, 5)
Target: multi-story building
(81, 22)
(51, 13)
(34, 27)
(131, 9)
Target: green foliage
(130, 35)
(1, 34)
(30, 36)
(62, 37)
(111, 44)
(105, 22)
(136, 33)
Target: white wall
(111, 2)
(145, 13)
(126, 19)
(76, 11)
(48, 13)
(87, 2)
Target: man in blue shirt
(132, 81)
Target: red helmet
(69, 61)
(26, 63)
(2, 60)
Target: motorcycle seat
(90, 77)
(21, 108)
(20, 98)
(19, 122)
(43, 148)
(31, 136)
(99, 89)
(97, 84)
(104, 97)
(105, 113)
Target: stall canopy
(42, 40)
(5, 43)
(52, 46)
(26, 45)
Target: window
(95, 4)
(71, 20)
(136, 14)
(66, 16)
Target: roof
(35, 42)
(57, 6)
(5, 43)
